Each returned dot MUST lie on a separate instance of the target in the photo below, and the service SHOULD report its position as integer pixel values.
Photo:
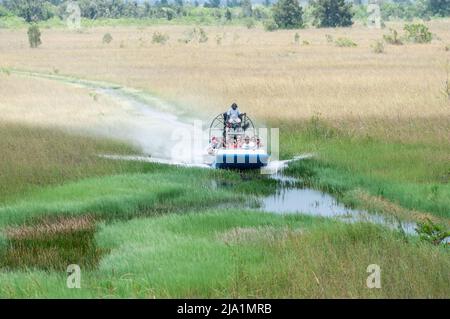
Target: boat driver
(234, 115)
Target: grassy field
(379, 124)
(260, 70)
(237, 254)
(34, 157)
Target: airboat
(234, 143)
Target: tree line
(283, 13)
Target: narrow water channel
(290, 198)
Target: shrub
(261, 13)
(202, 36)
(250, 23)
(378, 47)
(107, 38)
(198, 35)
(417, 33)
(228, 15)
(4, 12)
(296, 38)
(447, 47)
(270, 25)
(329, 38)
(392, 38)
(5, 71)
(431, 232)
(345, 42)
(288, 14)
(159, 38)
(34, 36)
(332, 13)
(219, 39)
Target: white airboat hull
(240, 159)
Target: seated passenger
(214, 142)
(258, 142)
(247, 145)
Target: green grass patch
(33, 157)
(233, 253)
(52, 245)
(411, 174)
(160, 189)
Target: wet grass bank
(233, 253)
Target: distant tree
(34, 35)
(288, 14)
(164, 3)
(131, 9)
(179, 3)
(212, 4)
(267, 3)
(439, 7)
(147, 9)
(30, 10)
(3, 11)
(247, 8)
(228, 15)
(233, 3)
(332, 13)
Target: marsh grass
(233, 253)
(154, 190)
(408, 171)
(52, 245)
(331, 263)
(33, 157)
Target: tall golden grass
(267, 73)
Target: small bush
(34, 36)
(228, 15)
(250, 23)
(417, 33)
(392, 38)
(4, 12)
(345, 43)
(329, 38)
(198, 35)
(159, 38)
(219, 39)
(378, 47)
(107, 38)
(296, 38)
(270, 25)
(202, 36)
(305, 42)
(431, 232)
(447, 47)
